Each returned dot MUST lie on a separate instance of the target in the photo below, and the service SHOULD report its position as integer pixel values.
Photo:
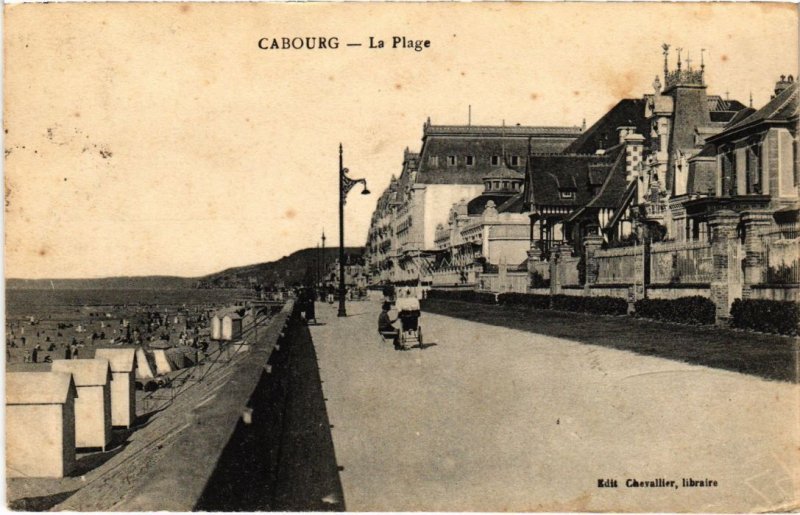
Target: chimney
(783, 83)
(623, 132)
(634, 151)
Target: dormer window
(514, 160)
(433, 160)
(567, 195)
(495, 160)
(451, 160)
(470, 160)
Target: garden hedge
(769, 316)
(464, 296)
(692, 310)
(595, 305)
(524, 299)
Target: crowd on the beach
(39, 340)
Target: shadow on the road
(766, 356)
(89, 462)
(40, 503)
(283, 458)
(423, 346)
(308, 474)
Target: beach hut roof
(222, 312)
(87, 372)
(39, 387)
(121, 360)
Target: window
(433, 160)
(497, 185)
(470, 160)
(514, 160)
(567, 195)
(451, 160)
(753, 168)
(505, 185)
(733, 173)
(495, 160)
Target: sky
(149, 139)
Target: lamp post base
(342, 312)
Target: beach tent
(40, 424)
(123, 385)
(216, 326)
(144, 369)
(93, 408)
(162, 363)
(231, 327)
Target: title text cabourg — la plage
(334, 43)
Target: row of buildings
(653, 168)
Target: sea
(40, 301)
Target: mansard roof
(477, 205)
(515, 204)
(741, 115)
(504, 172)
(549, 175)
(482, 142)
(614, 187)
(723, 110)
(628, 112)
(781, 108)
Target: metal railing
(780, 254)
(618, 266)
(685, 262)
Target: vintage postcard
(526, 257)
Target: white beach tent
(216, 326)
(40, 424)
(93, 408)
(143, 370)
(162, 363)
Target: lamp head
(365, 191)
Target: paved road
(495, 419)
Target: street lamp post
(345, 185)
(324, 271)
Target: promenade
(495, 419)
